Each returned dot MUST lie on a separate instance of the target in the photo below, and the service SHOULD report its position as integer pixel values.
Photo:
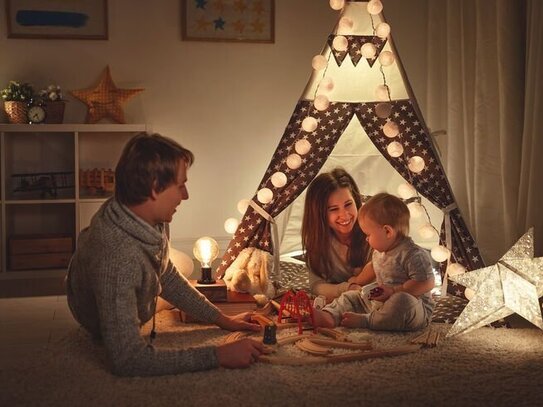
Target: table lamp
(206, 250)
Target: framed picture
(228, 20)
(53, 19)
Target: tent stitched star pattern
(513, 285)
(105, 100)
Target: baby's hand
(376, 292)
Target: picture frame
(51, 19)
(228, 20)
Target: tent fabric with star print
(350, 120)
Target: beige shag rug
(487, 367)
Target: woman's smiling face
(342, 213)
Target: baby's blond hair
(387, 209)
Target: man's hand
(240, 353)
(239, 322)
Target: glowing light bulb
(264, 196)
(406, 191)
(375, 7)
(337, 4)
(309, 124)
(321, 102)
(243, 204)
(416, 164)
(382, 30)
(383, 110)
(469, 293)
(294, 161)
(340, 43)
(302, 146)
(427, 231)
(440, 253)
(391, 129)
(368, 50)
(206, 250)
(386, 58)
(230, 225)
(455, 269)
(395, 149)
(319, 62)
(415, 209)
(381, 92)
(279, 179)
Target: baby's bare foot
(353, 320)
(323, 319)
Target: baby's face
(379, 237)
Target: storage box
(39, 251)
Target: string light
(279, 179)
(302, 146)
(264, 196)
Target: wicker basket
(16, 111)
(54, 112)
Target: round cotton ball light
(279, 179)
(340, 43)
(309, 124)
(243, 204)
(440, 253)
(416, 164)
(455, 269)
(264, 196)
(427, 231)
(294, 161)
(395, 149)
(319, 62)
(469, 293)
(375, 7)
(182, 261)
(383, 110)
(391, 129)
(231, 225)
(386, 58)
(326, 84)
(406, 191)
(321, 102)
(415, 209)
(368, 50)
(302, 146)
(345, 24)
(382, 30)
(337, 4)
(381, 92)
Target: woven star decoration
(513, 285)
(105, 100)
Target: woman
(335, 247)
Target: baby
(402, 272)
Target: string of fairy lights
(383, 110)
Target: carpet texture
(498, 367)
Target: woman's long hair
(316, 233)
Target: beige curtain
(485, 89)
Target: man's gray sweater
(121, 264)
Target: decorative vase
(16, 111)
(54, 112)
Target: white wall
(228, 103)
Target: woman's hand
(239, 354)
(239, 322)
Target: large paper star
(513, 285)
(105, 100)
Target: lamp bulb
(231, 225)
(319, 62)
(309, 124)
(395, 149)
(205, 250)
(416, 164)
(279, 179)
(391, 129)
(440, 253)
(264, 196)
(302, 146)
(294, 161)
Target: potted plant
(16, 98)
(54, 104)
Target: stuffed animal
(249, 273)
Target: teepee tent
(357, 111)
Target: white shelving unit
(30, 205)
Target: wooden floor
(32, 287)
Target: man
(121, 267)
